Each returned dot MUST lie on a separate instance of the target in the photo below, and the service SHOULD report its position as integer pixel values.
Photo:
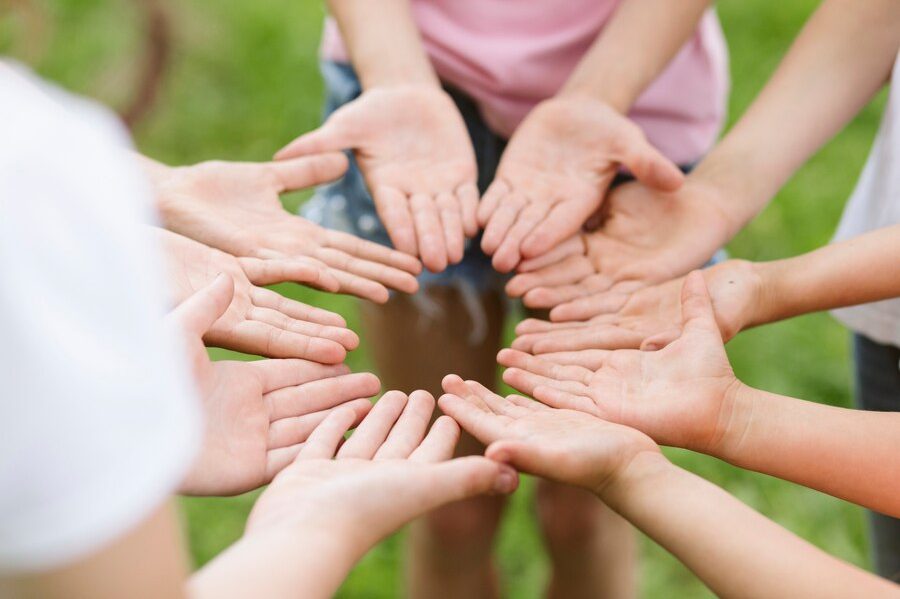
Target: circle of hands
(631, 357)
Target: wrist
(613, 97)
(643, 471)
(739, 403)
(736, 288)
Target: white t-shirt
(875, 203)
(98, 417)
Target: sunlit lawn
(243, 81)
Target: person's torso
(509, 55)
(875, 203)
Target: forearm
(279, 563)
(841, 58)
(851, 454)
(733, 549)
(383, 42)
(817, 280)
(635, 46)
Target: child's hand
(734, 288)
(235, 207)
(563, 445)
(555, 172)
(646, 237)
(257, 414)
(387, 473)
(413, 149)
(681, 395)
(257, 321)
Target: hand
(563, 445)
(647, 237)
(734, 287)
(387, 473)
(413, 149)
(235, 207)
(681, 395)
(258, 321)
(555, 172)
(257, 415)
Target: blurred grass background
(243, 80)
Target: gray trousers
(878, 388)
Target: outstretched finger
(372, 432)
(266, 298)
(468, 202)
(321, 394)
(527, 382)
(573, 246)
(409, 429)
(497, 190)
(297, 429)
(429, 235)
(347, 338)
(516, 359)
(324, 440)
(451, 220)
(501, 221)
(276, 374)
(308, 171)
(375, 252)
(592, 359)
(509, 254)
(197, 314)
(307, 271)
(394, 210)
(563, 221)
(568, 271)
(439, 443)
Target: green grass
(243, 81)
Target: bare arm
(841, 58)
(635, 46)
(736, 551)
(383, 42)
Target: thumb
(696, 306)
(330, 137)
(525, 457)
(648, 165)
(299, 173)
(463, 478)
(197, 313)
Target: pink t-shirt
(508, 55)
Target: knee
(570, 518)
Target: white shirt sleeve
(98, 419)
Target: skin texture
(555, 172)
(342, 498)
(258, 415)
(596, 271)
(734, 287)
(682, 512)
(678, 395)
(412, 147)
(235, 207)
(686, 395)
(257, 321)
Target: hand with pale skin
(567, 446)
(652, 312)
(412, 147)
(257, 415)
(235, 207)
(555, 172)
(646, 237)
(257, 321)
(339, 498)
(679, 395)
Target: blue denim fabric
(878, 389)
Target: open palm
(555, 172)
(412, 147)
(646, 237)
(257, 414)
(257, 320)
(564, 445)
(679, 395)
(235, 207)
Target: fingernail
(506, 482)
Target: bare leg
(592, 549)
(449, 550)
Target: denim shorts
(346, 204)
